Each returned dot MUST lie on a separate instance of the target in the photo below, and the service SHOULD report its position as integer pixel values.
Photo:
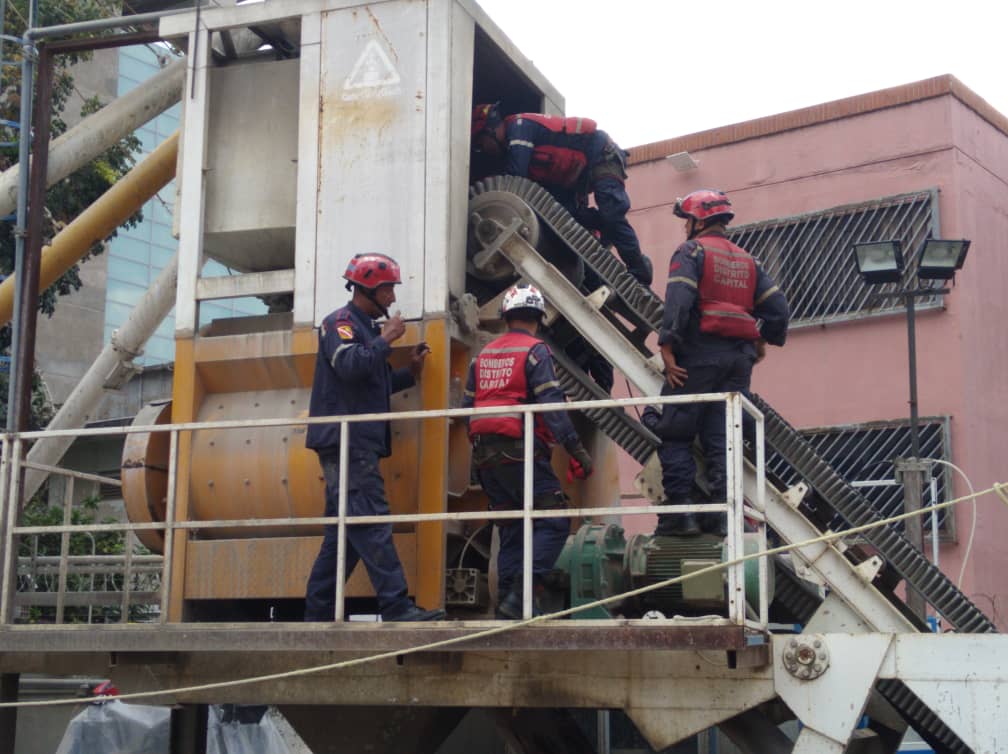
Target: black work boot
(679, 524)
(412, 613)
(510, 608)
(714, 523)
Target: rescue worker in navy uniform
(721, 309)
(352, 376)
(514, 369)
(569, 157)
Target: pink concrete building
(925, 158)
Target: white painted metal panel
(230, 16)
(252, 163)
(462, 41)
(189, 209)
(305, 237)
(440, 107)
(854, 666)
(373, 147)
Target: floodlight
(879, 261)
(939, 258)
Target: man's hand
(580, 465)
(760, 350)
(674, 373)
(394, 328)
(417, 359)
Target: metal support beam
(127, 342)
(101, 218)
(248, 284)
(96, 133)
(594, 326)
(753, 733)
(189, 729)
(9, 684)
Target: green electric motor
(600, 563)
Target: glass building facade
(137, 255)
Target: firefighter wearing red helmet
(721, 308)
(353, 376)
(514, 369)
(570, 157)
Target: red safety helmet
(486, 118)
(704, 204)
(371, 270)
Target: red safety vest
(553, 163)
(499, 374)
(727, 290)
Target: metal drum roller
(241, 474)
(492, 210)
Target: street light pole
(882, 262)
(912, 470)
(912, 359)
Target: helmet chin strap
(369, 294)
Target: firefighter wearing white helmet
(514, 369)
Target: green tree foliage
(72, 195)
(35, 578)
(68, 198)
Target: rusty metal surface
(254, 472)
(272, 567)
(557, 636)
(145, 473)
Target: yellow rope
(1001, 490)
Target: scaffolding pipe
(100, 131)
(15, 416)
(113, 363)
(98, 221)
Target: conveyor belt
(641, 306)
(647, 309)
(636, 439)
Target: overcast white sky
(648, 70)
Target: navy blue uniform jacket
(353, 376)
(681, 323)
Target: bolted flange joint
(806, 657)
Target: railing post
(734, 518)
(10, 546)
(68, 493)
(129, 539)
(169, 532)
(5, 502)
(344, 468)
(527, 501)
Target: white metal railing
(735, 507)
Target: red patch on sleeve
(673, 266)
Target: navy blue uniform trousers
(720, 371)
(503, 484)
(371, 543)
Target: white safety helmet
(523, 296)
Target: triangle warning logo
(373, 75)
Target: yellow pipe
(95, 223)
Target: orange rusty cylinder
(145, 473)
(236, 474)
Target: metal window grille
(865, 452)
(810, 255)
